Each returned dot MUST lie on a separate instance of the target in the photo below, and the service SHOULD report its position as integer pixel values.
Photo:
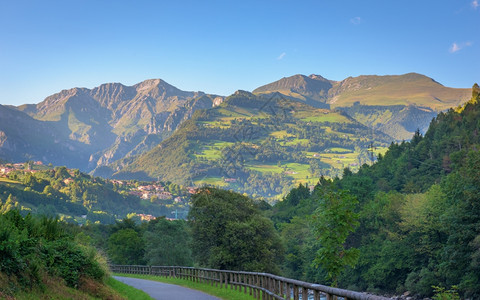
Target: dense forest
(418, 213)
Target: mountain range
(110, 129)
(394, 104)
(86, 128)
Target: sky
(222, 46)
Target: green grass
(6, 180)
(127, 291)
(265, 168)
(297, 141)
(301, 170)
(281, 134)
(380, 150)
(222, 293)
(332, 118)
(216, 181)
(340, 161)
(213, 151)
(340, 150)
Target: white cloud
(475, 4)
(281, 56)
(454, 48)
(457, 47)
(356, 21)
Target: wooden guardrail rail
(263, 286)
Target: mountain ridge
(419, 95)
(113, 121)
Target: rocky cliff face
(112, 121)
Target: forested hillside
(418, 213)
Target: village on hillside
(166, 194)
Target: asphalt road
(163, 291)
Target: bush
(30, 246)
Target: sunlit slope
(259, 145)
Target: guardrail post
(264, 286)
(210, 277)
(244, 281)
(272, 287)
(304, 293)
(295, 292)
(276, 285)
(250, 282)
(225, 275)
(282, 289)
(269, 287)
(235, 278)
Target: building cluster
(152, 190)
(5, 169)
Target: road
(163, 291)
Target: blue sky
(222, 46)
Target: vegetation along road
(160, 291)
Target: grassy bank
(127, 291)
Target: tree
(9, 205)
(333, 221)
(126, 247)
(61, 173)
(167, 243)
(229, 232)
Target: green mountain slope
(259, 145)
(408, 89)
(414, 97)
